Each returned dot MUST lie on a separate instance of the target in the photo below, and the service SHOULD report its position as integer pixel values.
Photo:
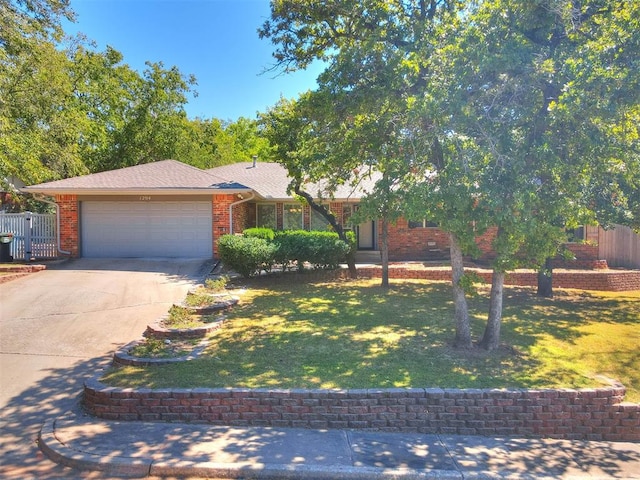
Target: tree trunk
(545, 279)
(461, 314)
(491, 338)
(384, 253)
(351, 262)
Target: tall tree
(512, 106)
(542, 118)
(38, 121)
(290, 127)
(378, 55)
(24, 21)
(372, 70)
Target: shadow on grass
(358, 335)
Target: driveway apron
(61, 326)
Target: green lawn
(356, 335)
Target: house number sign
(145, 198)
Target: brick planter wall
(593, 414)
(605, 280)
(586, 256)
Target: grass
(205, 299)
(357, 335)
(182, 317)
(158, 348)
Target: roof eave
(135, 191)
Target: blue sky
(215, 40)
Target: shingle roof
(270, 181)
(162, 175)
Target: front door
(366, 236)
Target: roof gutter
(233, 205)
(42, 199)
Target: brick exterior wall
(586, 256)
(279, 216)
(244, 216)
(404, 243)
(591, 414)
(416, 243)
(69, 224)
(337, 210)
(220, 217)
(431, 243)
(484, 242)
(306, 217)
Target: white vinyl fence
(34, 235)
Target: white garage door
(146, 229)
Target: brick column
(69, 231)
(220, 218)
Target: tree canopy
(67, 109)
(520, 116)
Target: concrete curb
(60, 453)
(181, 468)
(160, 450)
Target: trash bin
(5, 246)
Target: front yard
(356, 335)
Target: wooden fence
(34, 235)
(620, 246)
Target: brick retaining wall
(605, 280)
(592, 414)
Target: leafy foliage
(260, 232)
(262, 248)
(321, 249)
(246, 255)
(67, 109)
(216, 285)
(517, 115)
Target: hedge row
(261, 249)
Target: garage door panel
(146, 229)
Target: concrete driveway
(60, 326)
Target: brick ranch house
(170, 209)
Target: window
(318, 222)
(575, 234)
(422, 224)
(347, 211)
(292, 219)
(266, 216)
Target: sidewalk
(195, 450)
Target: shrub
(259, 232)
(321, 249)
(326, 250)
(246, 255)
(177, 315)
(149, 348)
(291, 248)
(216, 285)
(253, 252)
